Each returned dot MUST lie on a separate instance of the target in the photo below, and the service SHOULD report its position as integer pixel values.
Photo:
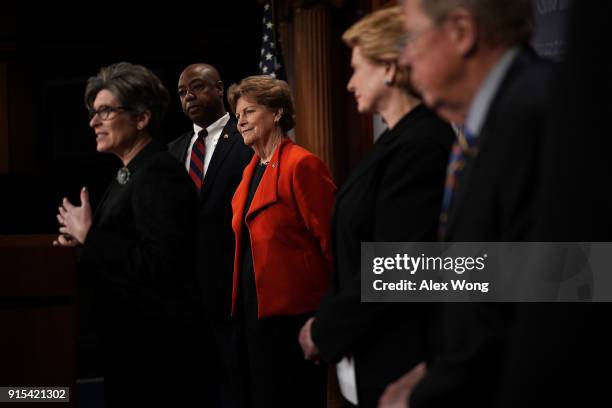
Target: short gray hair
(507, 22)
(136, 87)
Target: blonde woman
(395, 194)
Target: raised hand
(75, 221)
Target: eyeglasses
(196, 88)
(105, 112)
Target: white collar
(216, 126)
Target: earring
(388, 82)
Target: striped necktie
(196, 162)
(462, 148)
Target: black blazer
(141, 238)
(138, 254)
(395, 194)
(215, 245)
(494, 202)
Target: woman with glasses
(394, 195)
(137, 246)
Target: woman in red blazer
(282, 213)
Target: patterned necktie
(196, 162)
(462, 148)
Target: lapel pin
(226, 136)
(123, 175)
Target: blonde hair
(377, 36)
(267, 91)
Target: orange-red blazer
(289, 225)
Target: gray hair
(136, 87)
(507, 22)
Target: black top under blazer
(394, 194)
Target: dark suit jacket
(494, 202)
(395, 194)
(215, 247)
(138, 253)
(564, 346)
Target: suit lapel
(184, 146)
(227, 139)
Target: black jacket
(494, 199)
(395, 194)
(138, 254)
(141, 238)
(215, 245)
(494, 202)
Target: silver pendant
(123, 175)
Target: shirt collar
(486, 92)
(216, 126)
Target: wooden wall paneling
(313, 84)
(4, 129)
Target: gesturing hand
(74, 221)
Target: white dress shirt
(210, 141)
(347, 382)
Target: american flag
(270, 61)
